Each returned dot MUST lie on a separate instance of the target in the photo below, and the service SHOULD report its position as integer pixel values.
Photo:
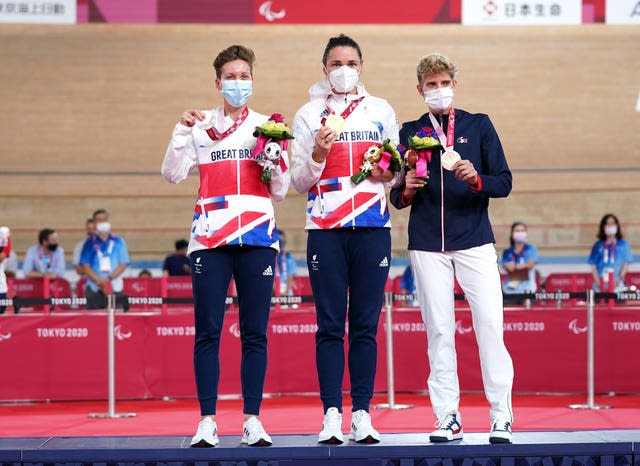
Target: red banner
(341, 12)
(267, 11)
(64, 356)
(292, 11)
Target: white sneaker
(207, 434)
(448, 428)
(500, 431)
(331, 428)
(361, 429)
(253, 434)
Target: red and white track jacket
(234, 206)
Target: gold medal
(335, 122)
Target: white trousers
(477, 272)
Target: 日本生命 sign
(521, 12)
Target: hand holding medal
(448, 159)
(326, 136)
(335, 122)
(191, 117)
(272, 140)
(332, 126)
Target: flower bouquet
(272, 139)
(421, 146)
(386, 156)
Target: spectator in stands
(233, 235)
(5, 252)
(90, 228)
(144, 273)
(610, 256)
(408, 285)
(519, 261)
(45, 258)
(450, 237)
(285, 267)
(349, 239)
(178, 262)
(104, 258)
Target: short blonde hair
(435, 63)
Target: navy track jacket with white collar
(448, 214)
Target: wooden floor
(88, 111)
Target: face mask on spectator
(52, 246)
(103, 227)
(610, 230)
(520, 236)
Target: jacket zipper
(441, 195)
(238, 191)
(353, 204)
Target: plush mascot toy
(272, 140)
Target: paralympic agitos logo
(270, 15)
(573, 326)
(5, 336)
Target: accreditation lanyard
(518, 257)
(99, 252)
(446, 141)
(104, 261)
(216, 135)
(46, 260)
(610, 253)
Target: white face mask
(520, 236)
(344, 79)
(103, 227)
(439, 99)
(610, 230)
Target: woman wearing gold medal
(450, 236)
(348, 227)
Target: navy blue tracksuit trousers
(252, 269)
(348, 268)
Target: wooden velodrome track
(87, 111)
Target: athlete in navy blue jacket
(450, 236)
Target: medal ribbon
(216, 135)
(347, 111)
(447, 142)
